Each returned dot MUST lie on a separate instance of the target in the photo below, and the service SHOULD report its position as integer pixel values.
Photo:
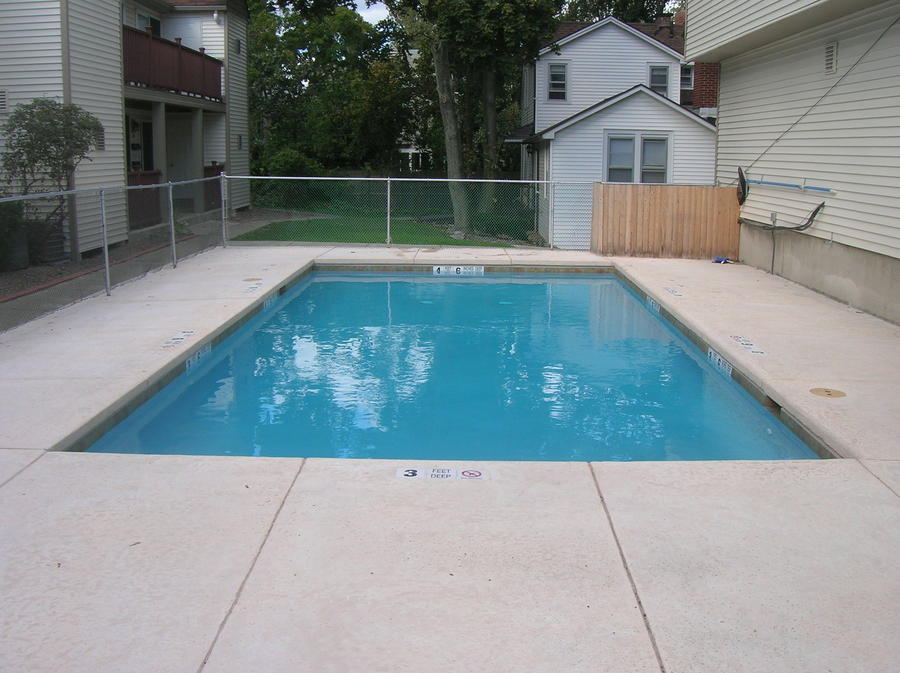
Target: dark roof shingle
(663, 31)
(668, 33)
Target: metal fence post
(550, 209)
(388, 241)
(105, 236)
(172, 225)
(224, 209)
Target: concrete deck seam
(883, 482)
(21, 470)
(237, 595)
(634, 590)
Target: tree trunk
(452, 139)
(491, 146)
(489, 100)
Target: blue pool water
(409, 366)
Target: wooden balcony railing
(162, 64)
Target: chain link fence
(403, 211)
(61, 247)
(57, 248)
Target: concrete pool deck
(183, 563)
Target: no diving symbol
(439, 473)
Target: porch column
(160, 162)
(197, 159)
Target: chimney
(678, 19)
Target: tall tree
(473, 45)
(328, 90)
(625, 10)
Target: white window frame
(668, 69)
(638, 137)
(139, 13)
(681, 76)
(667, 170)
(566, 88)
(610, 136)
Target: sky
(372, 14)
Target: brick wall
(706, 85)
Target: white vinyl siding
(95, 68)
(578, 150)
(238, 122)
(213, 37)
(214, 42)
(578, 154)
(30, 53)
(214, 138)
(737, 25)
(849, 142)
(600, 64)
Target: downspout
(226, 96)
(71, 208)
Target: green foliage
(487, 42)
(625, 10)
(45, 141)
(12, 221)
(327, 91)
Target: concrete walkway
(184, 563)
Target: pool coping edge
(89, 432)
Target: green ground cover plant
(357, 229)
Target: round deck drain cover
(827, 392)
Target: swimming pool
(413, 366)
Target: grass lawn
(359, 229)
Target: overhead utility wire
(830, 89)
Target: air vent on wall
(831, 57)
(2, 100)
(100, 139)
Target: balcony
(153, 62)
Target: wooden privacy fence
(665, 221)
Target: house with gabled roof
(602, 103)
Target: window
(654, 157)
(625, 164)
(687, 85)
(620, 165)
(145, 21)
(237, 46)
(557, 81)
(659, 79)
(240, 142)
